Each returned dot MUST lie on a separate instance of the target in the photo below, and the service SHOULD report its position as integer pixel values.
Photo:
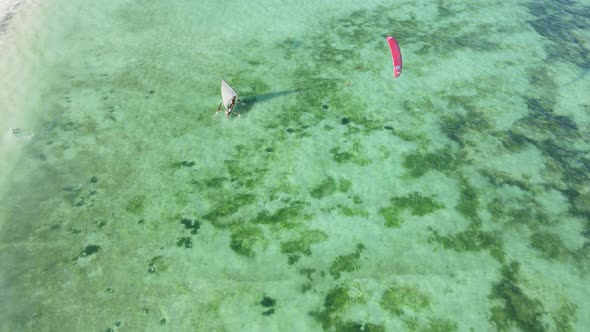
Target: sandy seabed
(454, 198)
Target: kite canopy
(396, 56)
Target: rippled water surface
(454, 198)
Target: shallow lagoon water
(454, 198)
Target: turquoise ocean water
(454, 198)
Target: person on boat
(231, 106)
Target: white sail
(227, 93)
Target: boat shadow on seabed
(248, 102)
